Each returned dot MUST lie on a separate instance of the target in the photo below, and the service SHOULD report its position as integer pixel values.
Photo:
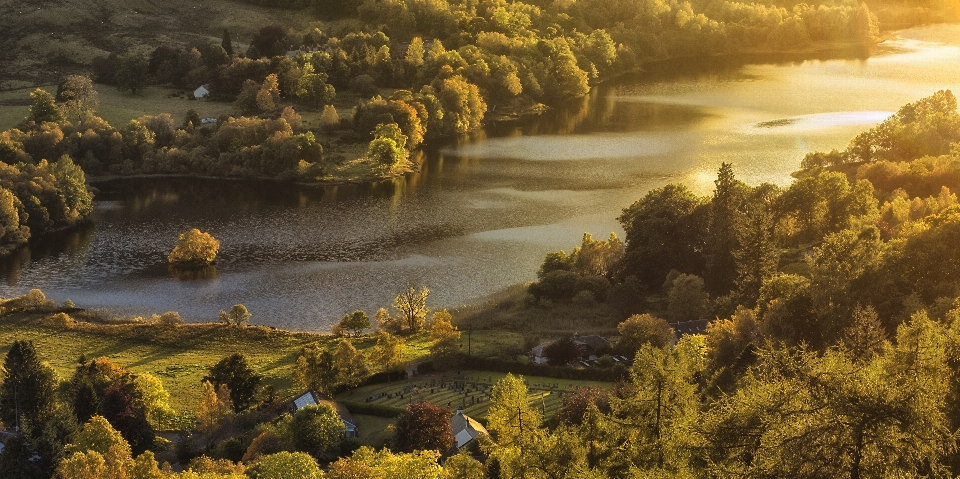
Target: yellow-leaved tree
(194, 247)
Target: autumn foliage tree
(194, 248)
(423, 426)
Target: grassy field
(46, 40)
(119, 108)
(470, 389)
(181, 356)
(507, 310)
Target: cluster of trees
(43, 194)
(71, 132)
(449, 61)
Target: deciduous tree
(244, 383)
(289, 465)
(317, 430)
(348, 364)
(641, 329)
(78, 96)
(444, 337)
(194, 247)
(412, 306)
(423, 426)
(238, 315)
(44, 108)
(314, 369)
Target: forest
(420, 70)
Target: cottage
(466, 431)
(202, 92)
(537, 355)
(312, 398)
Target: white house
(312, 398)
(465, 430)
(202, 92)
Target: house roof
(696, 326)
(594, 341)
(465, 429)
(538, 349)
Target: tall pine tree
(27, 391)
(725, 218)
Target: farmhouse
(312, 398)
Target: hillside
(42, 41)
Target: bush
(59, 320)
(171, 318)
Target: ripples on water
(486, 207)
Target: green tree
(99, 436)
(72, 188)
(155, 399)
(388, 147)
(314, 369)
(687, 299)
(317, 430)
(227, 43)
(665, 230)
(388, 353)
(444, 340)
(355, 322)
(348, 364)
(313, 89)
(463, 466)
(810, 414)
(641, 329)
(463, 106)
(238, 315)
(757, 256)
(194, 247)
(27, 393)
(44, 108)
(509, 407)
(726, 218)
(423, 426)
(244, 383)
(132, 73)
(661, 411)
(289, 465)
(412, 306)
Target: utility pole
(469, 339)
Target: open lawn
(179, 356)
(507, 310)
(117, 107)
(470, 389)
(373, 430)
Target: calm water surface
(485, 208)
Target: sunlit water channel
(485, 208)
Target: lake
(486, 207)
